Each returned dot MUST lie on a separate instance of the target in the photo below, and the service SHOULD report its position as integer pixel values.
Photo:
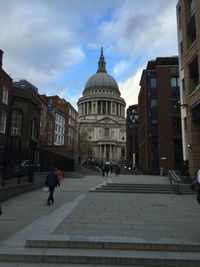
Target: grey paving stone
(103, 214)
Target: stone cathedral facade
(102, 115)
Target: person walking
(106, 170)
(59, 174)
(51, 182)
(0, 210)
(198, 191)
(103, 169)
(111, 168)
(117, 170)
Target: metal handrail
(173, 177)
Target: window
(191, 8)
(56, 138)
(175, 82)
(5, 96)
(153, 103)
(50, 136)
(183, 91)
(181, 53)
(153, 82)
(2, 123)
(106, 131)
(50, 124)
(16, 125)
(179, 18)
(191, 26)
(176, 125)
(194, 74)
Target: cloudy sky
(55, 44)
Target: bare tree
(84, 146)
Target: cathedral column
(106, 107)
(104, 152)
(87, 107)
(101, 107)
(110, 156)
(100, 151)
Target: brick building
(188, 21)
(62, 123)
(132, 149)
(160, 144)
(24, 122)
(5, 88)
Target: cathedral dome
(101, 79)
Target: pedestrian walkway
(80, 215)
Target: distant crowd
(105, 169)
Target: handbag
(195, 186)
(46, 189)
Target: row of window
(16, 124)
(114, 92)
(60, 119)
(174, 82)
(72, 113)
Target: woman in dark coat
(51, 181)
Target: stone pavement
(77, 212)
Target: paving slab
(77, 212)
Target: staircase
(106, 251)
(143, 188)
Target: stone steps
(143, 188)
(77, 251)
(122, 243)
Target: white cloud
(121, 67)
(141, 28)
(44, 40)
(130, 88)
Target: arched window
(16, 127)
